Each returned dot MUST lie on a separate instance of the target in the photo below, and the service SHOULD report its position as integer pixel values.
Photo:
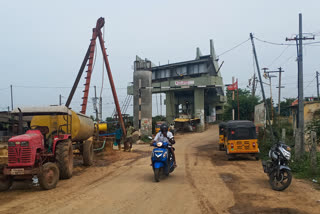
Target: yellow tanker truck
(46, 149)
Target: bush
(302, 169)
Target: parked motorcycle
(279, 173)
(162, 160)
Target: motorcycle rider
(166, 136)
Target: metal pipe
(115, 97)
(75, 85)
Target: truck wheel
(87, 154)
(48, 176)
(5, 182)
(64, 158)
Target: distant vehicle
(162, 160)
(158, 124)
(277, 167)
(222, 131)
(241, 138)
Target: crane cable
(102, 81)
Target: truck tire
(48, 176)
(64, 158)
(5, 182)
(87, 153)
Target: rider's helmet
(163, 128)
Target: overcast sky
(43, 43)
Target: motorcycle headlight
(159, 144)
(24, 143)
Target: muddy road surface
(204, 182)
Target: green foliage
(285, 106)
(246, 105)
(302, 169)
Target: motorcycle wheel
(281, 182)
(157, 175)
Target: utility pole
(261, 85)
(95, 102)
(238, 100)
(268, 76)
(317, 75)
(254, 85)
(11, 97)
(300, 148)
(279, 91)
(60, 99)
(100, 108)
(232, 99)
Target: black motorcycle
(277, 167)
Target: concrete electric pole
(11, 97)
(261, 84)
(279, 91)
(299, 38)
(317, 75)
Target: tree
(285, 106)
(246, 105)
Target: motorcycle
(162, 160)
(277, 168)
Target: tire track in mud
(65, 193)
(204, 204)
(243, 201)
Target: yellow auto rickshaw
(241, 138)
(222, 127)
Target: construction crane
(96, 33)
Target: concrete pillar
(170, 106)
(143, 74)
(199, 107)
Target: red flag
(233, 86)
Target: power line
(59, 87)
(4, 88)
(283, 44)
(284, 50)
(273, 43)
(233, 47)
(310, 82)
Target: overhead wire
(283, 44)
(284, 50)
(238, 45)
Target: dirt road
(204, 182)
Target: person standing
(118, 136)
(129, 140)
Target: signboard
(190, 82)
(260, 115)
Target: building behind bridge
(194, 88)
